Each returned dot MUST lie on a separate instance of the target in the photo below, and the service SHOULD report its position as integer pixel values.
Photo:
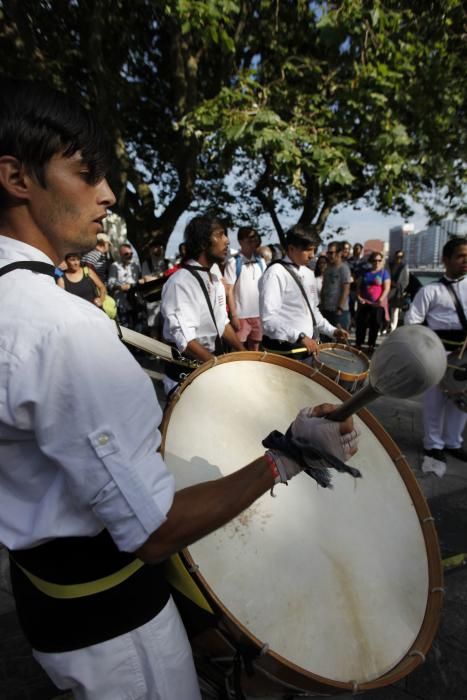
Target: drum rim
(344, 376)
(280, 667)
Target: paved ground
(444, 674)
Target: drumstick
(336, 354)
(152, 346)
(410, 360)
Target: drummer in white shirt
(197, 327)
(289, 301)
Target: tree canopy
(245, 107)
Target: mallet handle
(354, 404)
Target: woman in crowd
(372, 290)
(320, 267)
(83, 282)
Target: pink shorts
(250, 328)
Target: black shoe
(457, 452)
(438, 454)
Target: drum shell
(350, 381)
(273, 672)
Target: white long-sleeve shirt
(78, 419)
(185, 310)
(246, 291)
(434, 304)
(283, 310)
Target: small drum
(344, 364)
(454, 382)
(315, 591)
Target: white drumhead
(335, 581)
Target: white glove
(313, 433)
(324, 435)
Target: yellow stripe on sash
(178, 577)
(80, 590)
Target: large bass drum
(317, 590)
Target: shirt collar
(288, 261)
(12, 250)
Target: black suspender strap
(288, 267)
(197, 276)
(33, 265)
(457, 302)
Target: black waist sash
(283, 347)
(451, 339)
(56, 624)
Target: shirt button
(103, 439)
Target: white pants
(152, 662)
(443, 422)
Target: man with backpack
(242, 274)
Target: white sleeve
(93, 411)
(271, 290)
(419, 307)
(180, 311)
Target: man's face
(333, 256)
(69, 211)
(456, 265)
(346, 251)
(219, 246)
(357, 250)
(250, 244)
(126, 254)
(301, 256)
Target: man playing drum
(193, 304)
(288, 300)
(86, 498)
(436, 305)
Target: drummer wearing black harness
(442, 306)
(86, 499)
(193, 304)
(288, 300)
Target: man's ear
(14, 179)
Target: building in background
(375, 245)
(423, 248)
(398, 236)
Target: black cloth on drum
(307, 458)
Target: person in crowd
(372, 290)
(288, 300)
(442, 306)
(346, 251)
(154, 267)
(399, 271)
(356, 264)
(266, 253)
(82, 281)
(336, 288)
(99, 259)
(320, 268)
(242, 274)
(87, 498)
(124, 276)
(193, 304)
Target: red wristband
(273, 467)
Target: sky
(360, 225)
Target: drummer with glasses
(289, 310)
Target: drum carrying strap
(457, 302)
(33, 265)
(219, 346)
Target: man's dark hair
(452, 245)
(197, 236)
(245, 232)
(302, 236)
(339, 245)
(37, 122)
